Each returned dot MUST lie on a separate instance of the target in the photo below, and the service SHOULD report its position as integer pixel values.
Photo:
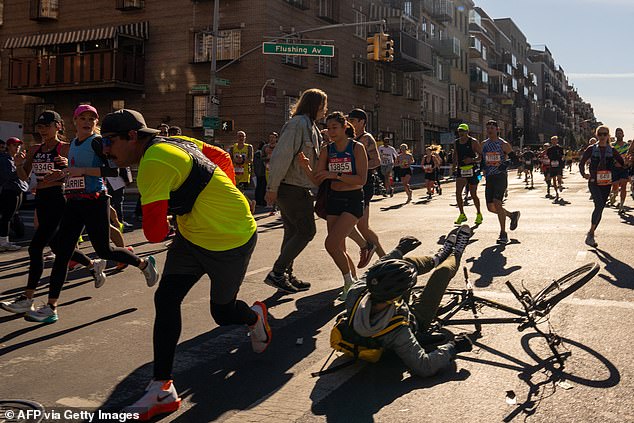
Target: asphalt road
(99, 354)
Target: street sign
(200, 87)
(211, 122)
(298, 49)
(209, 132)
(227, 125)
(223, 82)
(215, 100)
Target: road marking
(256, 271)
(573, 301)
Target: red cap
(14, 140)
(85, 108)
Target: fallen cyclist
(383, 294)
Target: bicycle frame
(466, 300)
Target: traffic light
(386, 48)
(373, 47)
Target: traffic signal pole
(212, 107)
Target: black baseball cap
(47, 117)
(358, 114)
(125, 120)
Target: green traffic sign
(223, 82)
(211, 122)
(200, 87)
(298, 49)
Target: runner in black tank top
(467, 155)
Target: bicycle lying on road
(535, 308)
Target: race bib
(387, 159)
(604, 177)
(546, 161)
(554, 163)
(493, 158)
(528, 162)
(466, 171)
(340, 164)
(41, 169)
(75, 183)
(238, 170)
(427, 168)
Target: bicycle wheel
(561, 288)
(21, 411)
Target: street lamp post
(212, 106)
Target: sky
(589, 39)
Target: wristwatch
(339, 174)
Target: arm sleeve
(284, 153)
(420, 363)
(584, 159)
(221, 158)
(155, 225)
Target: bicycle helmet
(390, 279)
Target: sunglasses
(603, 134)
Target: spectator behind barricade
(289, 186)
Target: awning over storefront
(137, 29)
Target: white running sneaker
(98, 266)
(9, 246)
(44, 314)
(152, 275)
(160, 397)
(18, 306)
(260, 332)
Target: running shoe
(160, 397)
(591, 241)
(478, 219)
(503, 238)
(461, 219)
(515, 217)
(407, 243)
(446, 249)
(19, 305)
(73, 265)
(121, 266)
(344, 293)
(612, 199)
(150, 272)
(365, 255)
(81, 239)
(9, 246)
(260, 332)
(299, 284)
(621, 208)
(50, 256)
(462, 239)
(98, 266)
(44, 314)
(280, 282)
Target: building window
(408, 129)
(118, 104)
(326, 65)
(289, 103)
(361, 73)
(328, 10)
(407, 8)
(200, 108)
(360, 30)
(412, 89)
(300, 4)
(396, 83)
(296, 61)
(381, 84)
(44, 9)
(130, 4)
(229, 43)
(1, 12)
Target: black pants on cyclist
(49, 207)
(186, 263)
(94, 215)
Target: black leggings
(600, 195)
(95, 216)
(9, 204)
(49, 207)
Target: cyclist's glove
(407, 244)
(462, 344)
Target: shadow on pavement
(622, 273)
(490, 264)
(374, 387)
(218, 372)
(17, 346)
